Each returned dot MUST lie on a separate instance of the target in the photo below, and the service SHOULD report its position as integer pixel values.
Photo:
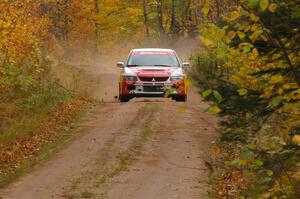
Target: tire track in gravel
(104, 126)
(144, 149)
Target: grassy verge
(34, 129)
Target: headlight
(130, 78)
(176, 78)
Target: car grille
(154, 79)
(153, 89)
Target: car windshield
(165, 59)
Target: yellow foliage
(264, 4)
(273, 7)
(231, 35)
(296, 139)
(205, 41)
(205, 10)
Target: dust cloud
(97, 76)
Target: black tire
(181, 98)
(124, 98)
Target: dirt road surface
(144, 149)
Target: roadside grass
(39, 117)
(25, 114)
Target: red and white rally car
(153, 72)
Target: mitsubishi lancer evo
(153, 72)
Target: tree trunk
(186, 20)
(97, 29)
(218, 8)
(174, 29)
(66, 20)
(161, 29)
(146, 20)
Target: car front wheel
(124, 98)
(180, 98)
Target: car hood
(153, 71)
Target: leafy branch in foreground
(257, 73)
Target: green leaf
(252, 146)
(218, 96)
(270, 172)
(242, 92)
(242, 162)
(253, 3)
(265, 180)
(247, 154)
(258, 163)
(213, 110)
(276, 101)
(264, 4)
(246, 47)
(241, 35)
(256, 34)
(207, 93)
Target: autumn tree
(256, 83)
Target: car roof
(152, 50)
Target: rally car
(152, 72)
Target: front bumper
(152, 89)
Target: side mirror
(120, 64)
(185, 64)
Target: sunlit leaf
(296, 139)
(213, 110)
(264, 4)
(205, 41)
(182, 108)
(255, 52)
(242, 92)
(231, 34)
(276, 79)
(253, 17)
(216, 150)
(188, 83)
(246, 47)
(273, 7)
(218, 96)
(264, 38)
(241, 35)
(207, 92)
(234, 15)
(205, 10)
(258, 163)
(276, 101)
(270, 172)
